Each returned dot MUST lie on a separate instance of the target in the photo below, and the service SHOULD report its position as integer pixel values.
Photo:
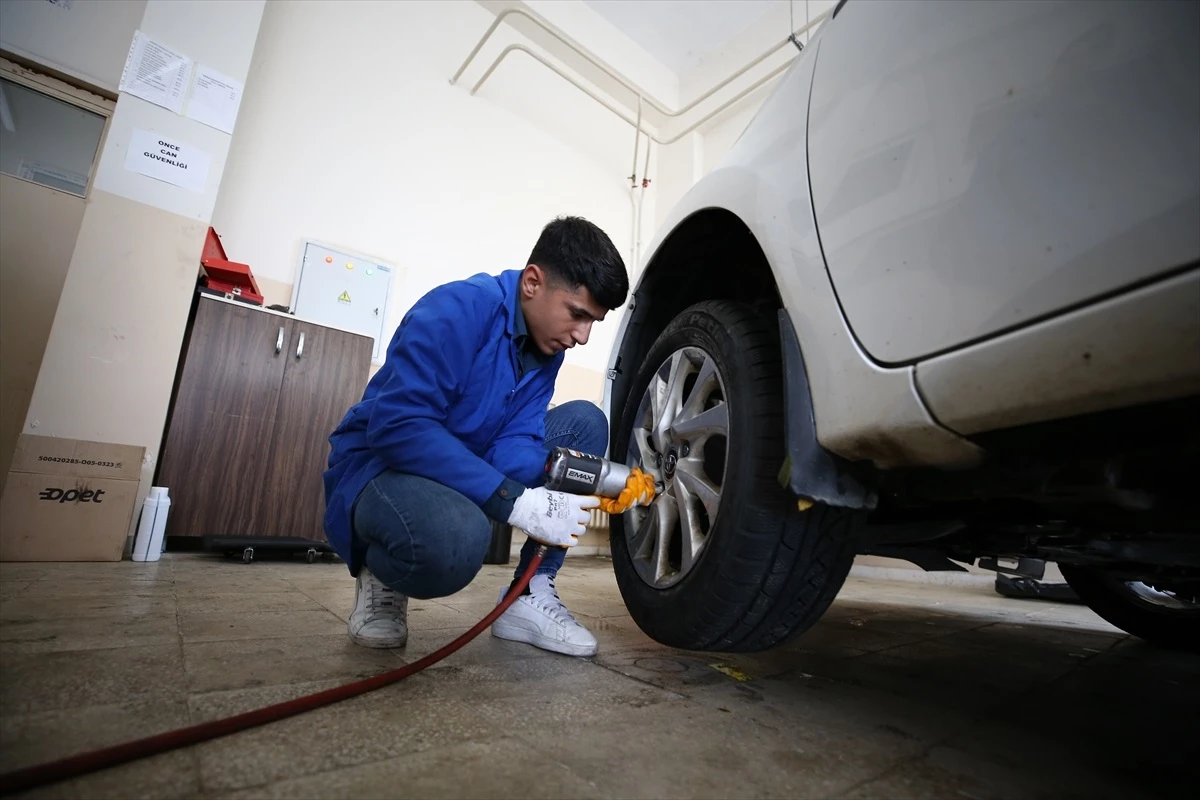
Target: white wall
(609, 44)
(88, 41)
(368, 148)
(721, 133)
(687, 161)
(216, 33)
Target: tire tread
(788, 565)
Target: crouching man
(453, 431)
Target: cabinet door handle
(300, 346)
(279, 341)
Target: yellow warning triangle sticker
(344, 297)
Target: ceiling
(679, 33)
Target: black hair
(577, 253)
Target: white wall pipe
(637, 137)
(520, 48)
(535, 56)
(642, 96)
(557, 34)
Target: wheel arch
(694, 262)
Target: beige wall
(110, 361)
(275, 293)
(38, 228)
(111, 357)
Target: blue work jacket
(449, 404)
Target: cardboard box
(68, 500)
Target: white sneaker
(380, 616)
(540, 619)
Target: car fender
(860, 411)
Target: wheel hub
(681, 439)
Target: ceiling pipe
(641, 95)
(550, 29)
(637, 137)
(520, 48)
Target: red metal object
(225, 277)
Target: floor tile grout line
(979, 715)
(897, 764)
(1104, 652)
(16, 643)
(934, 638)
(180, 641)
(643, 681)
(334, 768)
(249, 787)
(300, 589)
(517, 736)
(521, 737)
(193, 753)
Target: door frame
(68, 93)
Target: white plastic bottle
(158, 542)
(148, 544)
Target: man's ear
(532, 277)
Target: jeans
(426, 540)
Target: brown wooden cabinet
(247, 439)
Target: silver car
(940, 302)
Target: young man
(454, 430)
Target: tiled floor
(902, 690)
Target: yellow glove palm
(638, 491)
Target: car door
(976, 166)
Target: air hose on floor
(73, 766)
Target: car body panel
(979, 166)
(1029, 367)
(1139, 347)
(863, 411)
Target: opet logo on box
(53, 493)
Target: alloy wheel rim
(681, 438)
(1162, 598)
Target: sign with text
(215, 99)
(167, 160)
(156, 73)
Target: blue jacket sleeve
(428, 357)
(519, 451)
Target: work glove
(554, 518)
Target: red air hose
(32, 777)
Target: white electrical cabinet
(344, 290)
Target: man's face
(558, 317)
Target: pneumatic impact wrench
(576, 473)
(618, 486)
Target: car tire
(763, 570)
(1172, 621)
